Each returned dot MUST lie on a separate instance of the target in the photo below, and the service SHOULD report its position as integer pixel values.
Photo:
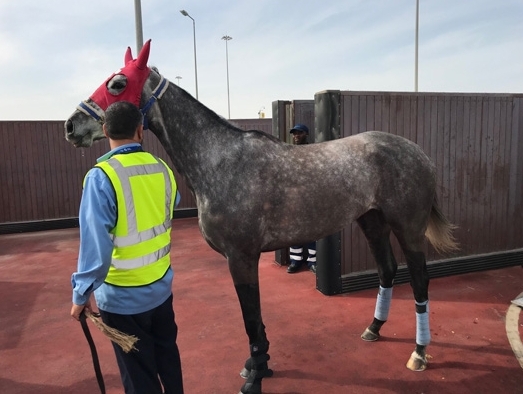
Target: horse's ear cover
(143, 56)
(128, 56)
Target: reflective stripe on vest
(124, 173)
(140, 256)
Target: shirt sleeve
(178, 198)
(97, 218)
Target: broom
(125, 341)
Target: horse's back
(382, 171)
(398, 156)
(406, 178)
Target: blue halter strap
(91, 109)
(156, 95)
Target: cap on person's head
(300, 127)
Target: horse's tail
(439, 231)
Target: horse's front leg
(244, 272)
(420, 284)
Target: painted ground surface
(315, 339)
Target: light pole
(178, 78)
(185, 13)
(138, 23)
(227, 38)
(416, 49)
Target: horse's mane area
(220, 119)
(229, 125)
(260, 133)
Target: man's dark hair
(122, 119)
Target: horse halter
(136, 73)
(92, 109)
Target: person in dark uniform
(297, 254)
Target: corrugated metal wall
(476, 142)
(262, 124)
(42, 173)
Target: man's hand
(76, 310)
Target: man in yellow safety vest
(125, 239)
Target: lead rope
(94, 354)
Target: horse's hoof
(244, 373)
(251, 388)
(264, 373)
(369, 336)
(416, 362)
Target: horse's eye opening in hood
(117, 84)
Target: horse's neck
(192, 135)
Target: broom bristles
(125, 341)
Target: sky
(55, 53)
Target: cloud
(56, 53)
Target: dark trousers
(157, 361)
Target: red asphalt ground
(315, 339)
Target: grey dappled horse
(249, 199)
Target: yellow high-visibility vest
(145, 193)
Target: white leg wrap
(383, 303)
(422, 325)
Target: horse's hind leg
(244, 272)
(417, 265)
(377, 232)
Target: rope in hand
(94, 354)
(125, 341)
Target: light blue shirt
(97, 218)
